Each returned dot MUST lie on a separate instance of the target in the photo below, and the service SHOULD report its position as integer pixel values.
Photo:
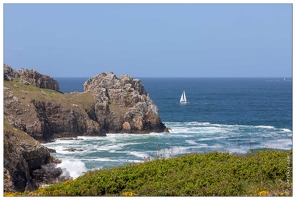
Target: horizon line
(182, 76)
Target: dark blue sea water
(224, 114)
(244, 101)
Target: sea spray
(72, 168)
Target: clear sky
(150, 40)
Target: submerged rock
(73, 149)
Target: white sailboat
(183, 99)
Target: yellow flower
(9, 194)
(263, 193)
(128, 194)
(282, 194)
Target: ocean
(234, 115)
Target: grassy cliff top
(261, 173)
(30, 92)
(17, 136)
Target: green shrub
(261, 173)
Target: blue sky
(150, 40)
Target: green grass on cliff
(26, 93)
(261, 173)
(16, 135)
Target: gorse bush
(261, 173)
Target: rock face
(30, 77)
(34, 109)
(123, 105)
(45, 114)
(27, 163)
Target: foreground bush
(262, 173)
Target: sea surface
(234, 115)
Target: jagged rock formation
(34, 107)
(27, 163)
(45, 114)
(30, 77)
(108, 105)
(123, 105)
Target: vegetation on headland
(260, 173)
(29, 92)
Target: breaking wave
(72, 167)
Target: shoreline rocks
(72, 149)
(27, 164)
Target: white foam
(73, 168)
(185, 137)
(205, 139)
(268, 127)
(122, 135)
(100, 159)
(198, 123)
(286, 130)
(278, 144)
(201, 145)
(157, 134)
(139, 154)
(136, 161)
(110, 147)
(91, 137)
(190, 141)
(171, 152)
(176, 133)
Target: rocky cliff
(30, 77)
(108, 105)
(27, 164)
(123, 105)
(34, 109)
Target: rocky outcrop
(9, 73)
(46, 117)
(30, 77)
(108, 105)
(123, 105)
(27, 164)
(35, 110)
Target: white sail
(183, 98)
